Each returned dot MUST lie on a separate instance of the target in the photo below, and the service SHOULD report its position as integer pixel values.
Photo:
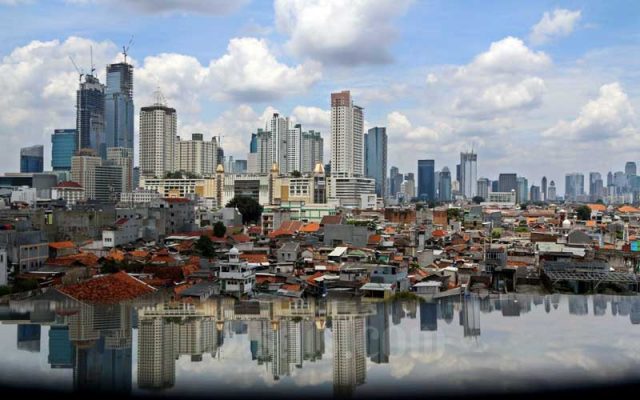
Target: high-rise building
(630, 168)
(253, 144)
(426, 180)
(90, 115)
(158, 127)
(32, 159)
(118, 106)
(279, 128)
(294, 149)
(534, 193)
(609, 179)
(108, 182)
(522, 191)
(63, 147)
(408, 187)
(123, 158)
(468, 174)
(507, 182)
(482, 188)
(312, 151)
(265, 160)
(197, 156)
(395, 180)
(595, 185)
(544, 188)
(495, 186)
(574, 186)
(375, 157)
(83, 170)
(240, 166)
(347, 121)
(444, 185)
(552, 191)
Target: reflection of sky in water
(459, 346)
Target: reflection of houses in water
(599, 305)
(445, 310)
(510, 307)
(378, 341)
(61, 350)
(348, 329)
(29, 337)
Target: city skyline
(571, 60)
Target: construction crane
(93, 67)
(80, 73)
(125, 49)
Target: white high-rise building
(347, 133)
(83, 171)
(197, 156)
(294, 149)
(158, 127)
(279, 128)
(265, 151)
(123, 157)
(468, 174)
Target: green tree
(477, 199)
(584, 213)
(496, 233)
(250, 209)
(4, 290)
(219, 229)
(204, 246)
(296, 174)
(23, 285)
(454, 214)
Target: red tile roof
(310, 227)
(439, 233)
(86, 259)
(108, 289)
(254, 258)
(331, 219)
(62, 245)
(241, 238)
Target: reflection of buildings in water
(378, 341)
(470, 314)
(102, 338)
(578, 305)
(312, 340)
(410, 308)
(156, 358)
(28, 337)
(547, 304)
(348, 332)
(486, 306)
(538, 299)
(599, 305)
(524, 302)
(397, 312)
(510, 307)
(555, 300)
(61, 350)
(634, 315)
(428, 316)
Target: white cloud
(502, 96)
(250, 72)
(208, 7)
(609, 116)
(560, 24)
(312, 118)
(507, 56)
(338, 32)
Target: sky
(538, 88)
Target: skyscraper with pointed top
(119, 107)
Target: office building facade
(375, 157)
(119, 108)
(347, 121)
(426, 180)
(32, 159)
(63, 147)
(90, 118)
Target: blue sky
(441, 75)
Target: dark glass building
(90, 119)
(426, 180)
(63, 147)
(375, 158)
(118, 106)
(507, 182)
(32, 159)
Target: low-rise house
(288, 252)
(236, 277)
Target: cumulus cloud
(502, 96)
(312, 118)
(609, 116)
(337, 32)
(561, 23)
(250, 72)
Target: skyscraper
(534, 193)
(347, 122)
(32, 159)
(483, 188)
(630, 168)
(395, 180)
(90, 116)
(312, 151)
(552, 191)
(507, 182)
(264, 147)
(83, 170)
(118, 106)
(468, 174)
(375, 144)
(574, 186)
(444, 187)
(595, 185)
(544, 188)
(294, 149)
(158, 126)
(426, 180)
(522, 192)
(279, 128)
(63, 147)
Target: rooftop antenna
(93, 69)
(125, 49)
(80, 73)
